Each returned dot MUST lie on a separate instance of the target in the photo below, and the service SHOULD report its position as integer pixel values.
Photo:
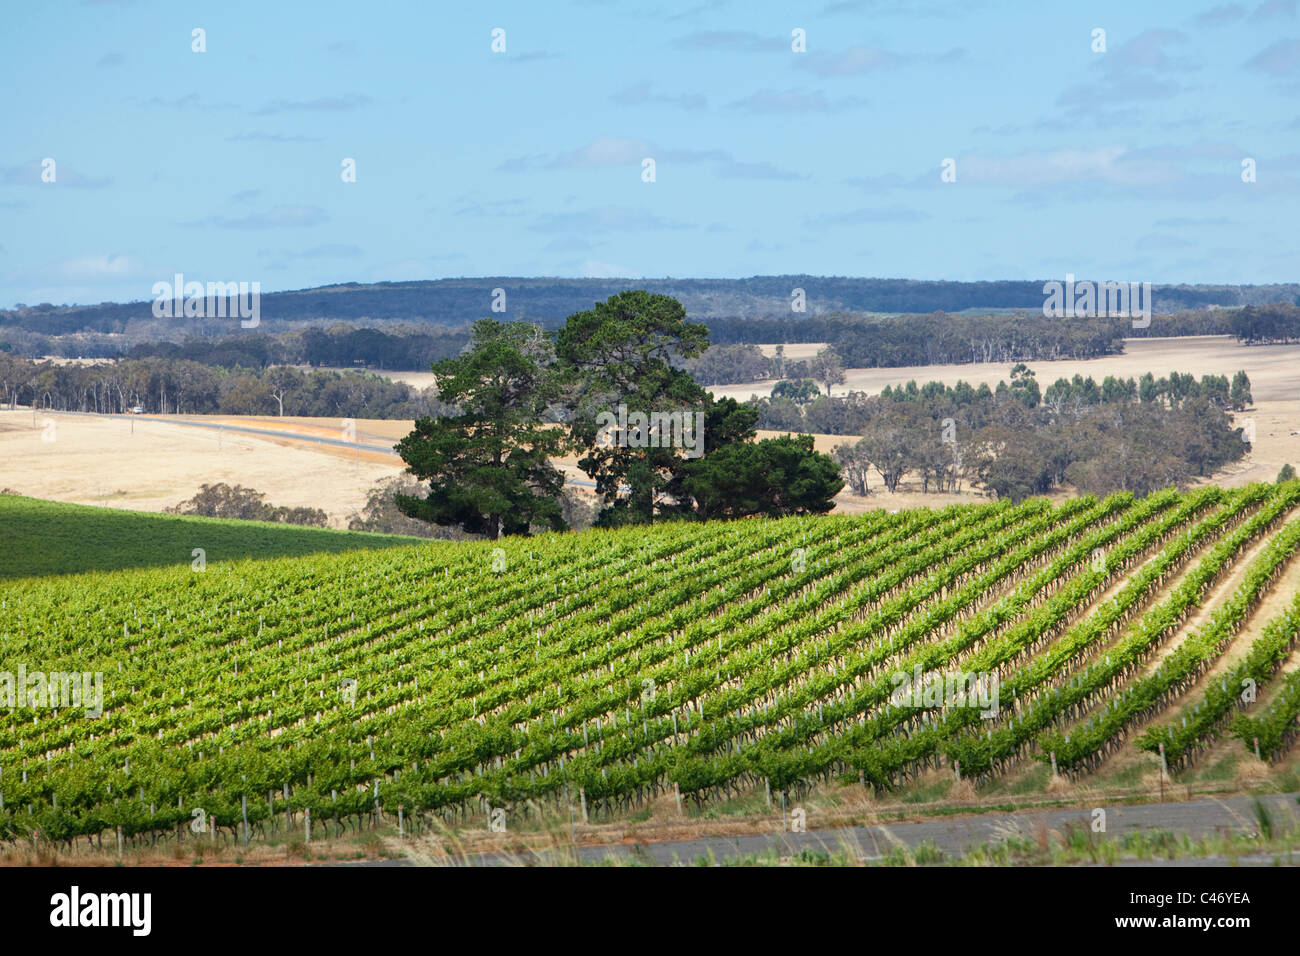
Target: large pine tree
(488, 466)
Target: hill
(550, 300)
(597, 672)
(48, 537)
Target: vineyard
(601, 670)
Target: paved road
(953, 835)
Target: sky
(1166, 150)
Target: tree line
(1015, 441)
(861, 341)
(176, 386)
(1267, 325)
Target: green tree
(622, 352)
(1239, 396)
(827, 368)
(1147, 391)
(773, 477)
(801, 392)
(488, 466)
(1286, 474)
(1024, 386)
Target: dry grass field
(156, 461)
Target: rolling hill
(602, 670)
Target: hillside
(601, 671)
(549, 300)
(46, 537)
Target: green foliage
(801, 392)
(773, 477)
(1239, 395)
(622, 353)
(1024, 386)
(1278, 322)
(488, 465)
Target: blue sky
(225, 165)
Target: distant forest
(857, 340)
(548, 301)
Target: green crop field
(602, 669)
(48, 537)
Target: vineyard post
(956, 765)
(119, 841)
(308, 824)
(1053, 763)
(1164, 769)
(783, 824)
(767, 790)
(678, 794)
(401, 823)
(582, 792)
(1257, 756)
(243, 804)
